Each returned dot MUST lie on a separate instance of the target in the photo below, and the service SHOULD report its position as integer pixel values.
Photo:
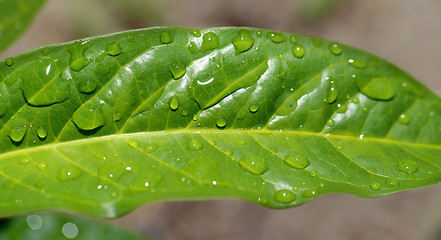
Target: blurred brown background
(405, 32)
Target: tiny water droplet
(355, 100)
(407, 166)
(253, 108)
(9, 61)
(393, 182)
(117, 116)
(298, 50)
(42, 165)
(332, 92)
(276, 37)
(69, 173)
(133, 143)
(357, 63)
(45, 51)
(114, 49)
(173, 103)
(195, 33)
(375, 186)
(87, 86)
(17, 133)
(229, 152)
(41, 132)
(192, 47)
(177, 70)
(209, 41)
(310, 193)
(195, 145)
(243, 41)
(150, 148)
(221, 122)
(330, 122)
(166, 37)
(297, 160)
(253, 164)
(25, 161)
(335, 48)
(241, 142)
(285, 196)
(259, 33)
(365, 109)
(342, 108)
(293, 39)
(404, 119)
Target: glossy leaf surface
(45, 226)
(15, 16)
(102, 125)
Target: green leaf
(15, 16)
(102, 125)
(60, 226)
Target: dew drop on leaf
(221, 122)
(393, 182)
(229, 152)
(177, 70)
(377, 88)
(41, 132)
(166, 37)
(285, 196)
(407, 166)
(69, 173)
(342, 108)
(77, 59)
(335, 48)
(25, 161)
(357, 63)
(9, 61)
(293, 39)
(209, 41)
(89, 116)
(332, 92)
(309, 193)
(195, 33)
(375, 186)
(173, 103)
(133, 143)
(297, 160)
(87, 86)
(243, 41)
(298, 50)
(150, 148)
(114, 49)
(253, 108)
(404, 119)
(195, 145)
(253, 164)
(42, 165)
(330, 122)
(241, 142)
(276, 37)
(17, 133)
(192, 47)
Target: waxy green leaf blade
(15, 16)
(102, 125)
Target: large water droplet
(335, 48)
(166, 37)
(253, 108)
(77, 59)
(243, 41)
(41, 132)
(173, 103)
(209, 41)
(192, 47)
(177, 70)
(195, 145)
(87, 86)
(298, 50)
(253, 164)
(70, 230)
(297, 160)
(404, 118)
(375, 186)
(221, 122)
(407, 166)
(357, 63)
(89, 116)
(285, 196)
(330, 122)
(114, 49)
(35, 222)
(17, 133)
(9, 61)
(276, 37)
(332, 92)
(69, 173)
(378, 88)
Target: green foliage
(102, 125)
(15, 16)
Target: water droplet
(87, 86)
(114, 49)
(342, 108)
(357, 63)
(293, 39)
(42, 165)
(259, 33)
(195, 33)
(393, 182)
(407, 166)
(297, 160)
(145, 183)
(150, 148)
(330, 122)
(17, 133)
(253, 108)
(355, 100)
(332, 92)
(89, 116)
(365, 109)
(192, 47)
(177, 70)
(285, 196)
(310, 193)
(195, 145)
(229, 152)
(378, 88)
(404, 118)
(335, 48)
(375, 186)
(70, 230)
(209, 41)
(166, 37)
(221, 122)
(25, 161)
(253, 164)
(77, 59)
(241, 142)
(69, 173)
(35, 222)
(9, 61)
(298, 50)
(133, 143)
(276, 37)
(45, 51)
(41, 132)
(243, 41)
(173, 103)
